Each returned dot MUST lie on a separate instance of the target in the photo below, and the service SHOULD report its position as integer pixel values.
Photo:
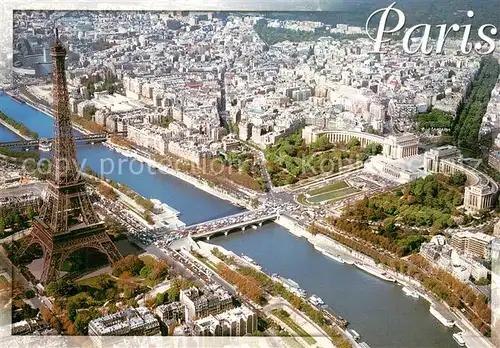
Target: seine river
(379, 311)
(195, 205)
(7, 135)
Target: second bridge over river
(221, 226)
(225, 225)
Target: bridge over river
(27, 144)
(237, 222)
(225, 225)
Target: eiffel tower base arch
(55, 251)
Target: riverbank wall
(320, 240)
(48, 112)
(199, 184)
(14, 130)
(327, 243)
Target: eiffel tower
(67, 220)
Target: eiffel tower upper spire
(65, 169)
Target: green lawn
(467, 152)
(148, 259)
(85, 297)
(343, 197)
(331, 195)
(328, 194)
(93, 281)
(66, 266)
(294, 326)
(149, 282)
(206, 261)
(303, 200)
(336, 186)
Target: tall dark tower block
(67, 220)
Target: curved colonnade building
(395, 147)
(481, 191)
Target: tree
(50, 318)
(145, 271)
(390, 230)
(30, 213)
(159, 270)
(352, 143)
(29, 294)
(137, 265)
(112, 308)
(484, 214)
(373, 149)
(468, 122)
(68, 326)
(246, 166)
(132, 302)
(147, 216)
(88, 113)
(254, 202)
(82, 321)
(71, 308)
(321, 144)
(103, 282)
(111, 293)
(107, 191)
(312, 229)
(129, 292)
(173, 293)
(296, 302)
(482, 281)
(160, 299)
(457, 179)
(125, 279)
(17, 218)
(90, 89)
(435, 119)
(130, 263)
(165, 121)
(469, 297)
(61, 287)
(110, 88)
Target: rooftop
(127, 319)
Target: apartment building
(150, 137)
(128, 322)
(473, 244)
(173, 311)
(235, 322)
(200, 304)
